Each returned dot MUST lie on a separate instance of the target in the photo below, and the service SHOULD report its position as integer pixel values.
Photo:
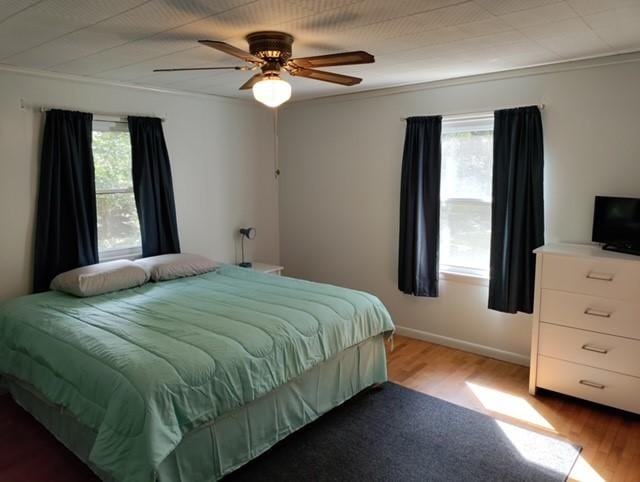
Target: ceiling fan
(270, 52)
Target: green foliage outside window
(118, 225)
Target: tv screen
(616, 221)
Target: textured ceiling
(413, 40)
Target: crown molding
(534, 70)
(114, 83)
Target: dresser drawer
(601, 386)
(588, 348)
(593, 313)
(592, 276)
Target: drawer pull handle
(588, 383)
(601, 314)
(603, 351)
(599, 276)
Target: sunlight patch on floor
(525, 440)
(509, 405)
(583, 472)
(540, 449)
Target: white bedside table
(267, 268)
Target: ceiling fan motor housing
(273, 47)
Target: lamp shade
(272, 91)
(248, 233)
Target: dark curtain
(420, 207)
(153, 187)
(517, 214)
(66, 225)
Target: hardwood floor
(610, 438)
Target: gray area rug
(393, 433)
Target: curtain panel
(517, 214)
(66, 220)
(153, 187)
(420, 207)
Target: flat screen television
(616, 223)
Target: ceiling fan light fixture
(272, 91)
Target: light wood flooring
(610, 438)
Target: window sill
(116, 254)
(466, 278)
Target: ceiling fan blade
(345, 58)
(244, 67)
(325, 76)
(251, 82)
(231, 50)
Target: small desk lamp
(249, 233)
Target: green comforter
(144, 366)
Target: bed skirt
(211, 451)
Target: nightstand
(267, 268)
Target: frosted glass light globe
(272, 92)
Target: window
(465, 195)
(118, 226)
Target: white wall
(221, 156)
(340, 184)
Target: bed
(187, 380)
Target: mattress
(144, 367)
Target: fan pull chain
(275, 144)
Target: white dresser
(586, 325)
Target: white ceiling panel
(385, 49)
(196, 57)
(163, 15)
(568, 38)
(588, 7)
(151, 23)
(73, 46)
(123, 56)
(467, 12)
(492, 43)
(365, 13)
(238, 22)
(413, 40)
(540, 15)
(13, 7)
(484, 27)
(234, 79)
(501, 7)
(619, 28)
(48, 20)
(319, 6)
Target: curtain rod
(461, 114)
(118, 115)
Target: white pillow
(172, 266)
(100, 278)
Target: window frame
(108, 124)
(465, 123)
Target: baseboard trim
(463, 345)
